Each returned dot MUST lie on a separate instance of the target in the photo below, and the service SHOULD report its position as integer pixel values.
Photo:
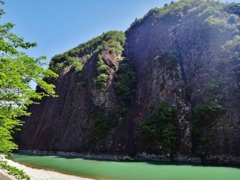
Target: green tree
(17, 70)
(160, 127)
(203, 119)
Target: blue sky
(59, 25)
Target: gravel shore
(40, 174)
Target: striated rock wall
(66, 123)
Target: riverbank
(219, 159)
(40, 174)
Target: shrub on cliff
(125, 80)
(102, 68)
(77, 57)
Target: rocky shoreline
(218, 159)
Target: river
(106, 170)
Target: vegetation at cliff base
(203, 118)
(160, 128)
(102, 125)
(17, 70)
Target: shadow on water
(193, 164)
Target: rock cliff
(169, 85)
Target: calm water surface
(105, 170)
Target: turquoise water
(105, 170)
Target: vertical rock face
(185, 54)
(159, 79)
(70, 122)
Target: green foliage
(232, 48)
(61, 61)
(169, 136)
(18, 174)
(125, 80)
(207, 15)
(112, 39)
(232, 19)
(216, 23)
(169, 12)
(233, 8)
(102, 77)
(206, 112)
(17, 70)
(121, 111)
(207, 11)
(203, 117)
(159, 127)
(213, 86)
(77, 57)
(102, 125)
(101, 80)
(175, 10)
(101, 66)
(169, 60)
(116, 48)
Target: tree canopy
(17, 70)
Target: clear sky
(59, 25)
